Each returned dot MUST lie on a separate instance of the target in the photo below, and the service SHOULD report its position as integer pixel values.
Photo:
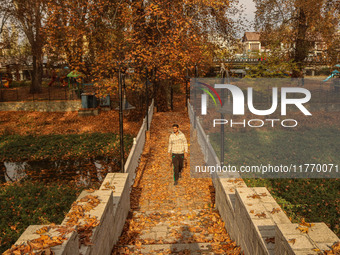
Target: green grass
(32, 203)
(53, 147)
(319, 145)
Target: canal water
(83, 171)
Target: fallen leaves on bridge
(42, 244)
(85, 223)
(275, 210)
(335, 249)
(304, 226)
(261, 215)
(257, 196)
(76, 217)
(175, 218)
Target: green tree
(297, 25)
(29, 16)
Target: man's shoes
(176, 182)
(180, 174)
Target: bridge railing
(210, 156)
(137, 148)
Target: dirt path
(167, 219)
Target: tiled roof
(251, 36)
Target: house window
(255, 47)
(319, 46)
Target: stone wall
(103, 211)
(42, 106)
(257, 223)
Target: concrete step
(183, 248)
(173, 213)
(176, 217)
(196, 230)
(175, 226)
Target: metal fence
(210, 157)
(137, 147)
(47, 93)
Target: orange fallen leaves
(261, 215)
(63, 123)
(335, 249)
(42, 244)
(108, 186)
(303, 223)
(270, 240)
(275, 210)
(42, 230)
(303, 229)
(292, 241)
(304, 226)
(237, 180)
(78, 217)
(254, 196)
(91, 190)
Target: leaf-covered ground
(46, 123)
(56, 147)
(165, 218)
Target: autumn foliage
(165, 37)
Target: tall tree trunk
(162, 96)
(301, 45)
(2, 172)
(37, 69)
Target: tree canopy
(300, 24)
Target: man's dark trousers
(177, 162)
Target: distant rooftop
(251, 36)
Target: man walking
(178, 149)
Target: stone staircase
(186, 232)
